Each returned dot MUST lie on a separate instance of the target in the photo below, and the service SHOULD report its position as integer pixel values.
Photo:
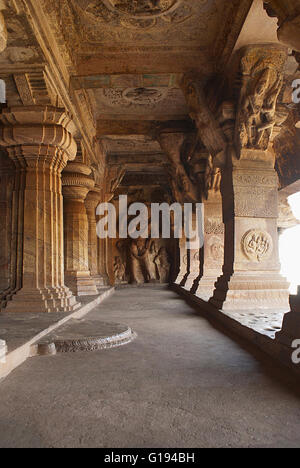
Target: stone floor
(181, 383)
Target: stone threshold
(21, 331)
(265, 340)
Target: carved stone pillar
(291, 323)
(184, 191)
(39, 141)
(91, 203)
(6, 227)
(76, 185)
(288, 14)
(102, 262)
(183, 265)
(251, 275)
(193, 261)
(213, 251)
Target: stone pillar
(183, 267)
(213, 251)
(251, 271)
(102, 262)
(291, 323)
(76, 186)
(288, 14)
(193, 262)
(3, 351)
(7, 176)
(39, 141)
(251, 275)
(91, 203)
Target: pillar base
(246, 291)
(101, 281)
(291, 323)
(57, 300)
(206, 286)
(81, 283)
(190, 282)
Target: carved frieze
(214, 226)
(257, 245)
(256, 202)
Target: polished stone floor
(181, 383)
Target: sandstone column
(183, 267)
(184, 191)
(251, 278)
(213, 251)
(76, 185)
(193, 261)
(91, 203)
(39, 141)
(7, 177)
(102, 262)
(291, 323)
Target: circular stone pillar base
(84, 335)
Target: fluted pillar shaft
(76, 185)
(94, 245)
(39, 141)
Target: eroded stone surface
(85, 335)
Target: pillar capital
(93, 199)
(37, 134)
(77, 182)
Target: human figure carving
(163, 265)
(119, 270)
(258, 113)
(142, 255)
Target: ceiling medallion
(144, 96)
(134, 96)
(142, 8)
(136, 14)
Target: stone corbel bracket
(288, 14)
(3, 30)
(208, 126)
(76, 181)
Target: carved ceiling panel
(149, 103)
(139, 22)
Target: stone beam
(140, 127)
(152, 61)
